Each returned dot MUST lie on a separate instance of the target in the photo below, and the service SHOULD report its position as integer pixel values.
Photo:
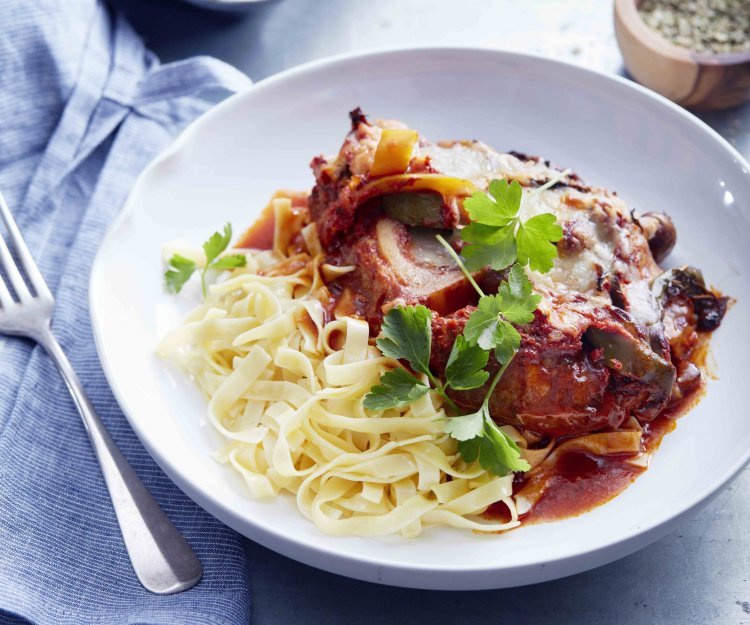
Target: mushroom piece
(659, 232)
(688, 282)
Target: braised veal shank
(608, 340)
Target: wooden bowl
(692, 79)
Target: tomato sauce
(579, 481)
(259, 236)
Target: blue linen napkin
(83, 108)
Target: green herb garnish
(490, 325)
(496, 237)
(466, 363)
(397, 388)
(180, 269)
(479, 437)
(406, 335)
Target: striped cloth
(83, 108)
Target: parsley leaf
(406, 334)
(507, 196)
(497, 237)
(505, 341)
(490, 325)
(481, 325)
(466, 427)
(534, 240)
(491, 246)
(489, 330)
(495, 450)
(466, 363)
(230, 262)
(178, 272)
(492, 234)
(180, 268)
(517, 302)
(397, 388)
(217, 243)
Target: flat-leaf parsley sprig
(498, 238)
(407, 335)
(479, 437)
(179, 268)
(490, 326)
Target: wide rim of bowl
(336, 560)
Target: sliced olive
(688, 282)
(632, 357)
(415, 209)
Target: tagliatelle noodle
(286, 390)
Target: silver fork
(161, 557)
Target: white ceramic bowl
(610, 131)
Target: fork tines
(9, 270)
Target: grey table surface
(699, 573)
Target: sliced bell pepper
(447, 186)
(415, 209)
(633, 358)
(393, 153)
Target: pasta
(286, 390)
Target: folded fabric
(83, 108)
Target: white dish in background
(610, 131)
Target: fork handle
(161, 557)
